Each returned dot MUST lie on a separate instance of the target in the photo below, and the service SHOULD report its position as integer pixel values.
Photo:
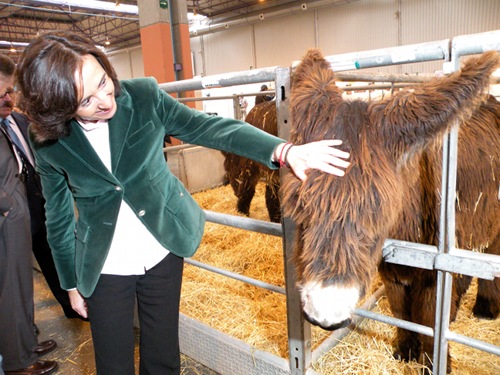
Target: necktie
(18, 146)
(13, 136)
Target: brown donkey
(243, 174)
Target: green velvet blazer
(73, 175)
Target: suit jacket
(71, 171)
(12, 190)
(33, 184)
(16, 267)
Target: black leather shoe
(39, 368)
(45, 347)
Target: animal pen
(228, 355)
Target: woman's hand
(78, 302)
(320, 155)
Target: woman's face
(96, 92)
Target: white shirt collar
(89, 126)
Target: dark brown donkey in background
(243, 174)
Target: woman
(99, 146)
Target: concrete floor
(75, 353)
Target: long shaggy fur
(243, 174)
(391, 189)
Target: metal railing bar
(236, 276)
(261, 226)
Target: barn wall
(121, 63)
(137, 63)
(128, 63)
(357, 26)
(228, 51)
(282, 40)
(429, 20)
(197, 54)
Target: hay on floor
(258, 316)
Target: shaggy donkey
(392, 190)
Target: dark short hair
(7, 66)
(46, 80)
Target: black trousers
(43, 255)
(111, 315)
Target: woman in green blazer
(98, 145)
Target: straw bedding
(258, 316)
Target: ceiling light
(5, 43)
(94, 4)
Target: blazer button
(142, 212)
(118, 188)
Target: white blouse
(134, 250)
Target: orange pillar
(157, 53)
(166, 49)
(165, 40)
(156, 41)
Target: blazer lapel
(119, 128)
(78, 144)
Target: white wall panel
(197, 53)
(137, 63)
(282, 40)
(128, 63)
(121, 63)
(228, 51)
(358, 26)
(430, 20)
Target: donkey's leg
(246, 189)
(487, 304)
(272, 197)
(406, 343)
(424, 312)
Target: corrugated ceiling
(21, 20)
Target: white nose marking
(329, 305)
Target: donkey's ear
(313, 98)
(413, 118)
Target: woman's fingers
(320, 155)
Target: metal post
(299, 331)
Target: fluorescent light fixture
(195, 20)
(108, 6)
(5, 43)
(94, 4)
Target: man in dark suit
(41, 248)
(18, 342)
